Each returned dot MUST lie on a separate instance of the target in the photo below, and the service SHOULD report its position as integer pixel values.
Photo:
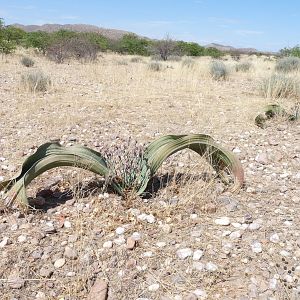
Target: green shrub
(155, 66)
(188, 62)
(218, 70)
(27, 61)
(36, 81)
(243, 66)
(288, 64)
(280, 86)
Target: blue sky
(263, 24)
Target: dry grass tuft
(36, 81)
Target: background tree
(166, 47)
(7, 45)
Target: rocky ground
(192, 240)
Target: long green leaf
(159, 150)
(49, 156)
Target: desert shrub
(280, 86)
(66, 45)
(155, 66)
(27, 61)
(136, 59)
(218, 70)
(174, 58)
(122, 62)
(191, 49)
(188, 62)
(288, 64)
(36, 81)
(243, 66)
(294, 51)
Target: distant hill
(109, 33)
(231, 49)
(114, 34)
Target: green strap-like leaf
(49, 156)
(158, 151)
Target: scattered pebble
(224, 221)
(59, 263)
(256, 247)
(107, 244)
(153, 287)
(184, 253)
(197, 254)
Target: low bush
(188, 62)
(243, 66)
(280, 86)
(155, 66)
(36, 81)
(27, 61)
(288, 64)
(218, 70)
(136, 59)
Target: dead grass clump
(36, 81)
(280, 86)
(218, 70)
(243, 66)
(27, 61)
(288, 64)
(188, 62)
(122, 62)
(136, 59)
(155, 66)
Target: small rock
(70, 253)
(153, 287)
(71, 274)
(254, 226)
(197, 254)
(262, 158)
(136, 236)
(167, 228)
(4, 242)
(184, 253)
(41, 296)
(284, 253)
(235, 235)
(15, 282)
(120, 230)
(46, 272)
(130, 243)
(59, 263)
(120, 240)
(224, 221)
(22, 238)
(211, 267)
(256, 247)
(67, 224)
(198, 266)
(107, 244)
(208, 208)
(201, 294)
(98, 291)
(148, 254)
(191, 297)
(161, 244)
(274, 238)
